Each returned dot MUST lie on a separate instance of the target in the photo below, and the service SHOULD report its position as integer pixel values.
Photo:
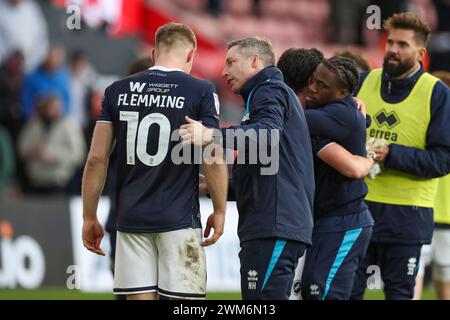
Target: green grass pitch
(65, 294)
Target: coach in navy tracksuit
(411, 110)
(275, 208)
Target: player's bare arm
(351, 166)
(216, 175)
(94, 177)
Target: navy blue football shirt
(157, 190)
(339, 121)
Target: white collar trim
(165, 69)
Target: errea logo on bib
(388, 119)
(385, 121)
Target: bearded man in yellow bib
(410, 110)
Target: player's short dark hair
(356, 56)
(298, 65)
(345, 70)
(261, 46)
(171, 33)
(140, 65)
(410, 21)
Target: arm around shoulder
(349, 165)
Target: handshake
(377, 149)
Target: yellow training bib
(405, 123)
(442, 202)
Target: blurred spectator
(214, 7)
(346, 20)
(94, 101)
(6, 159)
(424, 9)
(389, 7)
(257, 8)
(11, 77)
(82, 77)
(23, 27)
(52, 147)
(97, 13)
(51, 77)
(440, 40)
(361, 63)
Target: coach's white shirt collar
(161, 68)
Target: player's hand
(195, 133)
(215, 221)
(370, 159)
(202, 186)
(92, 235)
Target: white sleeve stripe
(317, 153)
(106, 121)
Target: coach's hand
(361, 106)
(195, 133)
(92, 235)
(216, 221)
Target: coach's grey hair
(261, 46)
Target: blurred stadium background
(51, 60)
